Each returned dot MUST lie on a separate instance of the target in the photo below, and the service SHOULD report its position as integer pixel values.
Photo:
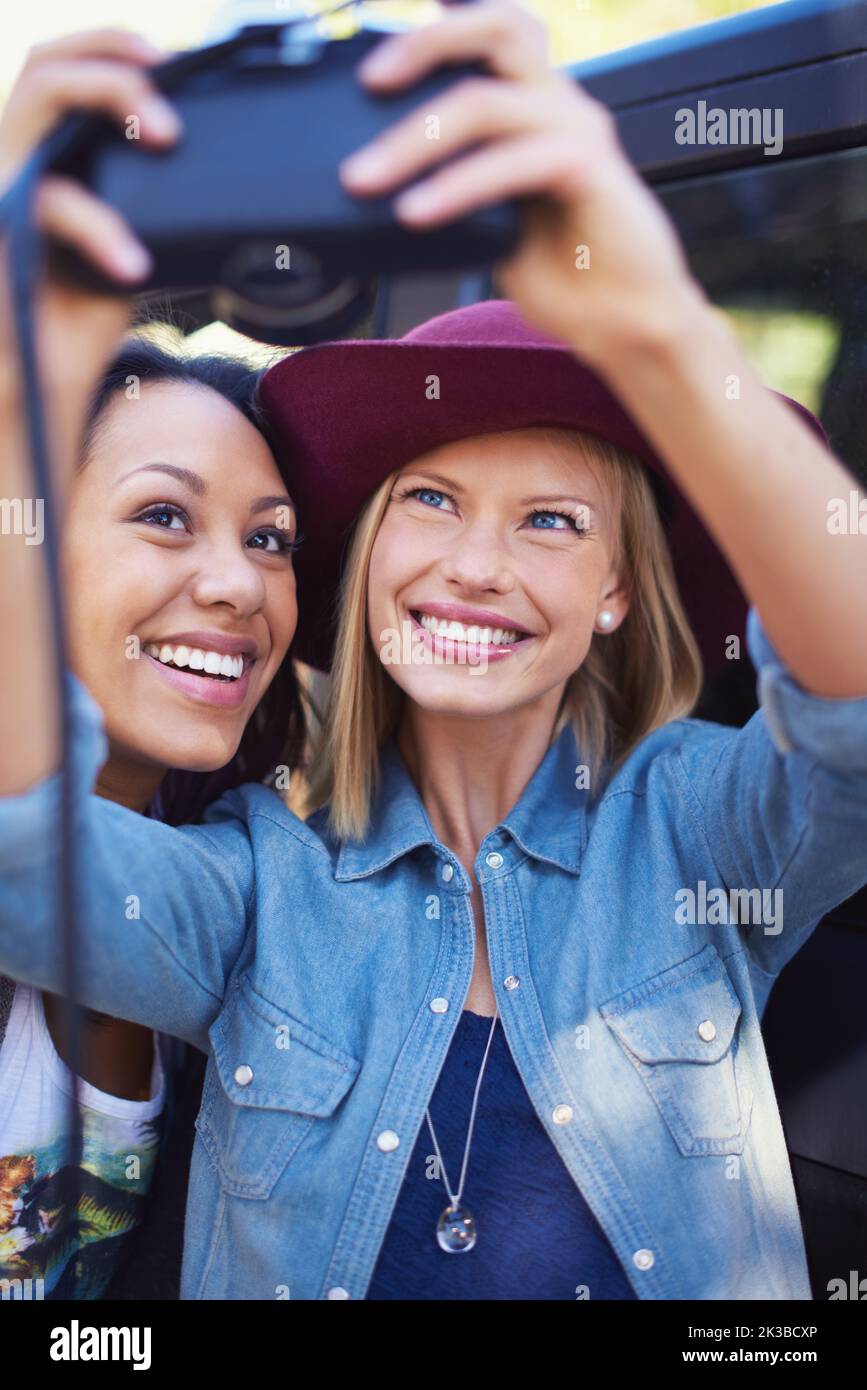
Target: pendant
(456, 1230)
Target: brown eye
(163, 515)
(272, 542)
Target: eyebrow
(558, 497)
(433, 478)
(185, 476)
(197, 485)
(523, 502)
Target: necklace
(456, 1229)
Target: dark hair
(275, 734)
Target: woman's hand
(104, 71)
(599, 265)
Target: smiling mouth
(199, 661)
(474, 634)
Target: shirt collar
(547, 822)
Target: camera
(247, 208)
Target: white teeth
(458, 632)
(213, 663)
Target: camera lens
(284, 295)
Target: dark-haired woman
(177, 553)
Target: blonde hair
(645, 674)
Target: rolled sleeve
(782, 802)
(162, 911)
(832, 732)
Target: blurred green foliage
(792, 352)
(584, 28)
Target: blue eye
(554, 521)
(428, 496)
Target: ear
(612, 607)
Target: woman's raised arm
(601, 269)
(77, 334)
(165, 909)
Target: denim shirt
(326, 980)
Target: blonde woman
(537, 834)
(486, 1024)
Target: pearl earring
(605, 618)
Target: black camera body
(248, 205)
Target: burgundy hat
(346, 414)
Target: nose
(478, 561)
(227, 575)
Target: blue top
(634, 931)
(536, 1236)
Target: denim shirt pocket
(270, 1078)
(679, 1030)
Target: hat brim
(344, 415)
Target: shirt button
(644, 1259)
(561, 1114)
(337, 1292)
(448, 873)
(494, 860)
(243, 1075)
(387, 1140)
(438, 1005)
(707, 1030)
(511, 982)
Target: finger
(530, 166)
(512, 42)
(73, 215)
(476, 110)
(97, 43)
(115, 89)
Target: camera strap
(7, 994)
(25, 261)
